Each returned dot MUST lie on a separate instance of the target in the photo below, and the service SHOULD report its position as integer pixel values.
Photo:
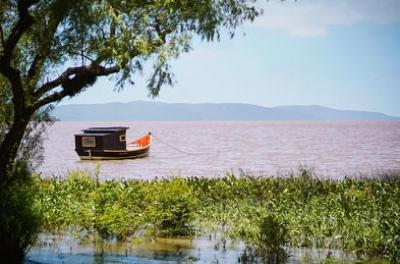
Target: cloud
(309, 18)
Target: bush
(19, 219)
(172, 207)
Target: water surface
(66, 248)
(332, 148)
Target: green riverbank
(269, 214)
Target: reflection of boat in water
(97, 143)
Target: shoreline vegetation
(358, 216)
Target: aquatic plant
(271, 241)
(269, 214)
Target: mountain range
(157, 111)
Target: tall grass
(359, 215)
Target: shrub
(19, 220)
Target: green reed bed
(269, 214)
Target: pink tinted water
(332, 149)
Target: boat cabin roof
(104, 129)
(92, 134)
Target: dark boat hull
(112, 154)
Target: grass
(269, 214)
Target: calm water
(65, 248)
(333, 149)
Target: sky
(342, 54)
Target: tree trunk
(9, 148)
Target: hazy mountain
(325, 113)
(141, 110)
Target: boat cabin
(98, 143)
(101, 138)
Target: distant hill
(142, 110)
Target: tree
(52, 49)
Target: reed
(359, 215)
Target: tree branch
(24, 22)
(82, 56)
(58, 81)
(44, 45)
(1, 36)
(82, 77)
(161, 33)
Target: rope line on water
(189, 153)
(175, 148)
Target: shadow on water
(68, 248)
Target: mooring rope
(189, 153)
(175, 148)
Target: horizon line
(227, 103)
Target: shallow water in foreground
(333, 148)
(65, 248)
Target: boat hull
(112, 154)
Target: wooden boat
(109, 143)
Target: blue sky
(343, 54)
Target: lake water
(332, 149)
(65, 248)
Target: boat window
(88, 142)
(122, 138)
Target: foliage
(77, 41)
(271, 241)
(20, 219)
(31, 149)
(52, 49)
(269, 246)
(269, 214)
(116, 208)
(171, 207)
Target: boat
(109, 143)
